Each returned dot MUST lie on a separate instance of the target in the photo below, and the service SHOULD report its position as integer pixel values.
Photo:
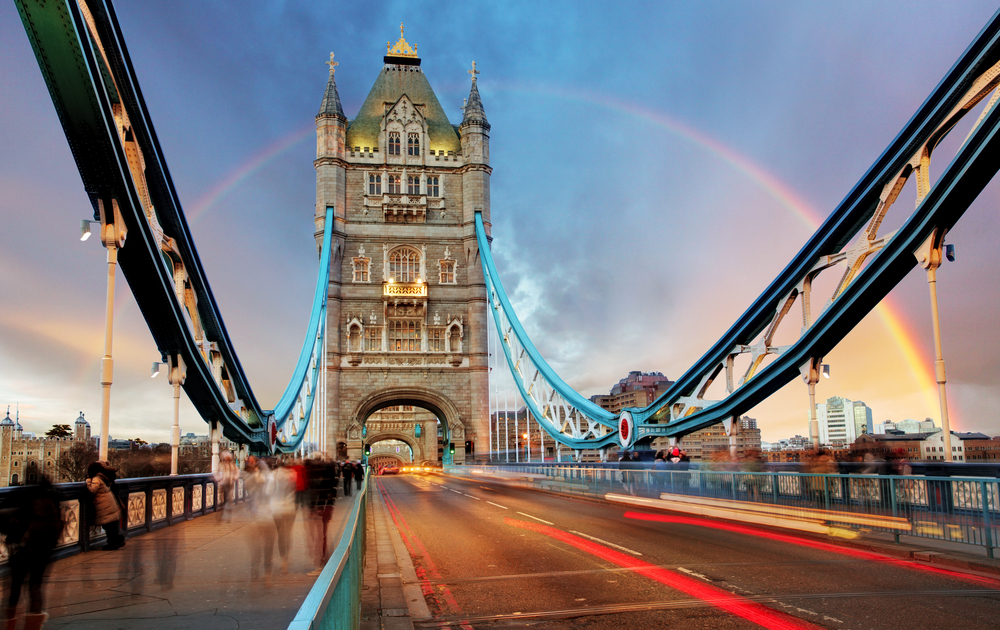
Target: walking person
(100, 481)
(323, 490)
(283, 509)
(359, 475)
(226, 480)
(347, 470)
(32, 529)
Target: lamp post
(929, 257)
(113, 233)
(527, 447)
(178, 372)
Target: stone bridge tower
(407, 300)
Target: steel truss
(83, 58)
(850, 238)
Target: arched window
(433, 189)
(395, 184)
(413, 144)
(404, 265)
(374, 184)
(412, 184)
(13, 479)
(394, 144)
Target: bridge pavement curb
(391, 598)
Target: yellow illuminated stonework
(404, 289)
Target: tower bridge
(410, 315)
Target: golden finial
(402, 48)
(333, 64)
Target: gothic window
(354, 339)
(413, 144)
(374, 184)
(373, 339)
(447, 271)
(404, 265)
(404, 336)
(433, 189)
(455, 339)
(395, 185)
(412, 184)
(362, 269)
(435, 340)
(394, 143)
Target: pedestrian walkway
(191, 575)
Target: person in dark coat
(323, 492)
(359, 475)
(33, 529)
(100, 482)
(347, 470)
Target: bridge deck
(190, 575)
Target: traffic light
(368, 449)
(451, 447)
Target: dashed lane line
(604, 542)
(536, 518)
(472, 497)
(498, 505)
(692, 573)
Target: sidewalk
(191, 575)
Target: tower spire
(331, 98)
(473, 109)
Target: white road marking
(455, 491)
(604, 542)
(472, 497)
(536, 518)
(498, 505)
(697, 575)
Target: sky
(656, 165)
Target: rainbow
(889, 313)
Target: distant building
(24, 457)
(841, 421)
(928, 446)
(200, 446)
(704, 443)
(907, 426)
(638, 389)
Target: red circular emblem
(624, 429)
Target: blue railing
(334, 602)
(150, 504)
(954, 509)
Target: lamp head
(84, 230)
(826, 370)
(155, 370)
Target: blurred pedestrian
(107, 512)
(33, 528)
(257, 484)
(347, 470)
(226, 479)
(323, 490)
(282, 498)
(359, 475)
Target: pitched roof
(392, 83)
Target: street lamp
(527, 447)
(113, 232)
(177, 374)
(929, 256)
(156, 369)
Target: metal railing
(334, 601)
(954, 509)
(150, 504)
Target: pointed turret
(475, 129)
(331, 98)
(474, 112)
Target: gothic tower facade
(407, 299)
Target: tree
(73, 462)
(59, 431)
